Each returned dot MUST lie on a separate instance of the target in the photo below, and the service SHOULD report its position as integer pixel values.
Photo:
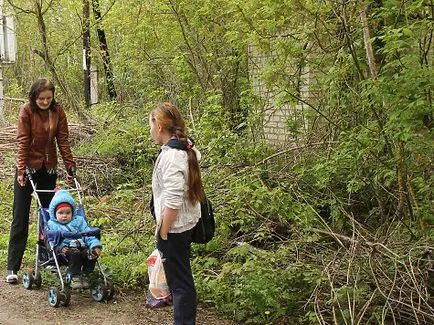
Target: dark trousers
(176, 261)
(21, 209)
(78, 262)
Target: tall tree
(105, 55)
(86, 52)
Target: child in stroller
(64, 239)
(80, 253)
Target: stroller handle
(28, 174)
(75, 186)
(71, 172)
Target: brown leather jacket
(36, 133)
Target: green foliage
(357, 171)
(6, 212)
(127, 269)
(121, 134)
(6, 199)
(257, 286)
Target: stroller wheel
(65, 296)
(53, 297)
(28, 279)
(99, 292)
(37, 278)
(110, 291)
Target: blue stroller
(47, 259)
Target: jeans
(176, 260)
(21, 209)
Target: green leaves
(256, 289)
(357, 157)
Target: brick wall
(277, 117)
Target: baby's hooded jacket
(77, 224)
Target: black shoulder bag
(204, 230)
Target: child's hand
(94, 253)
(97, 251)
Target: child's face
(155, 130)
(64, 214)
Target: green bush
(256, 286)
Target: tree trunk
(368, 46)
(86, 52)
(105, 55)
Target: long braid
(195, 188)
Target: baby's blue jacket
(77, 224)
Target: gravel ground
(20, 306)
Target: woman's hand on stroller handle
(21, 179)
(71, 176)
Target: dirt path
(19, 306)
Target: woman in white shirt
(177, 192)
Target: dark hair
(169, 117)
(40, 85)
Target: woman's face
(44, 99)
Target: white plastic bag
(157, 278)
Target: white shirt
(170, 189)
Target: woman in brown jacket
(42, 123)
